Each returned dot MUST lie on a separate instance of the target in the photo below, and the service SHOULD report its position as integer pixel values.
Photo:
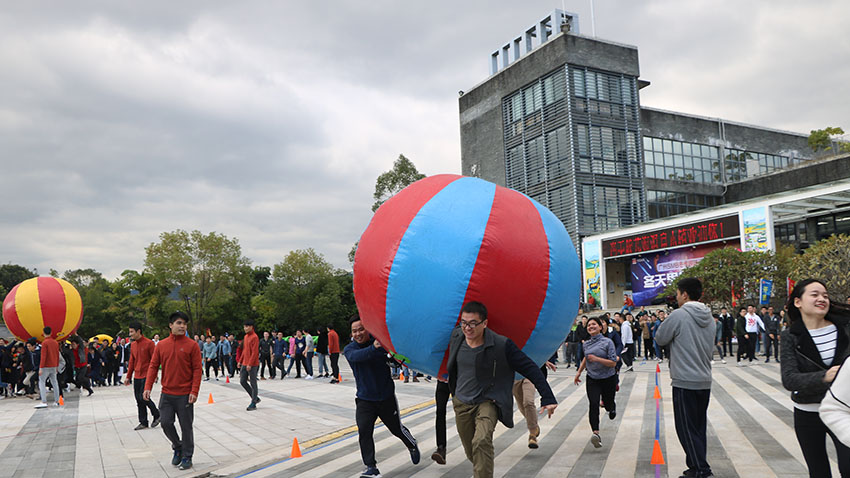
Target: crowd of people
(486, 372)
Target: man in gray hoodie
(690, 332)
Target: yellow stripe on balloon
(28, 307)
(73, 308)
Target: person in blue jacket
(375, 396)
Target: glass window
(578, 83)
(668, 145)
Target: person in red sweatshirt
(48, 367)
(250, 362)
(333, 350)
(180, 358)
(140, 359)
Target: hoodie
(689, 330)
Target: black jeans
(605, 388)
(335, 365)
(366, 414)
(727, 341)
(441, 395)
(81, 379)
(169, 406)
(244, 375)
(266, 360)
(751, 345)
(279, 362)
(811, 435)
(648, 349)
(689, 413)
(144, 405)
(775, 343)
(214, 364)
(628, 354)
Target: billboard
(592, 275)
(652, 273)
(755, 229)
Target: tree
(95, 292)
(829, 261)
(12, 275)
(821, 139)
(403, 174)
(202, 270)
(138, 296)
(303, 275)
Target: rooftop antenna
(592, 21)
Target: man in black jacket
(266, 350)
(481, 368)
(772, 330)
(728, 330)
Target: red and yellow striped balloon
(43, 302)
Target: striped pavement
(750, 434)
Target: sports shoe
(414, 454)
(612, 414)
(439, 455)
(596, 440)
(41, 405)
(333, 380)
(175, 460)
(185, 464)
(140, 426)
(308, 377)
(415, 379)
(371, 472)
(722, 361)
(258, 400)
(630, 369)
(532, 441)
(252, 407)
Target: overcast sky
(270, 121)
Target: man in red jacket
(140, 359)
(333, 350)
(48, 367)
(250, 362)
(180, 358)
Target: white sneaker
(596, 440)
(722, 361)
(308, 377)
(41, 405)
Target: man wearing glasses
(481, 368)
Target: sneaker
(532, 441)
(371, 472)
(262, 378)
(414, 454)
(308, 377)
(767, 361)
(140, 426)
(612, 414)
(722, 361)
(439, 455)
(41, 405)
(252, 407)
(428, 378)
(258, 400)
(216, 379)
(208, 379)
(155, 422)
(175, 460)
(415, 379)
(630, 369)
(333, 380)
(406, 380)
(596, 440)
(185, 464)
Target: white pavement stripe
(624, 450)
(674, 455)
(744, 457)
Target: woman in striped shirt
(814, 346)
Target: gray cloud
(269, 121)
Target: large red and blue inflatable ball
(43, 302)
(446, 240)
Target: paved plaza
(750, 432)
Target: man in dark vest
(481, 368)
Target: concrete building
(560, 119)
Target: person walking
(48, 367)
(728, 330)
(646, 335)
(234, 352)
(309, 350)
(718, 337)
(210, 354)
(141, 353)
(627, 336)
(322, 353)
(441, 397)
(250, 361)
(814, 346)
(180, 359)
(333, 350)
(523, 391)
(266, 350)
(481, 366)
(600, 359)
(279, 348)
(772, 327)
(690, 331)
(375, 396)
(224, 356)
(754, 323)
(742, 336)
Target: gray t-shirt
(467, 389)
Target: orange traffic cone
(657, 457)
(657, 394)
(296, 450)
(658, 368)
(339, 378)
(61, 401)
(210, 399)
(401, 376)
(227, 379)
